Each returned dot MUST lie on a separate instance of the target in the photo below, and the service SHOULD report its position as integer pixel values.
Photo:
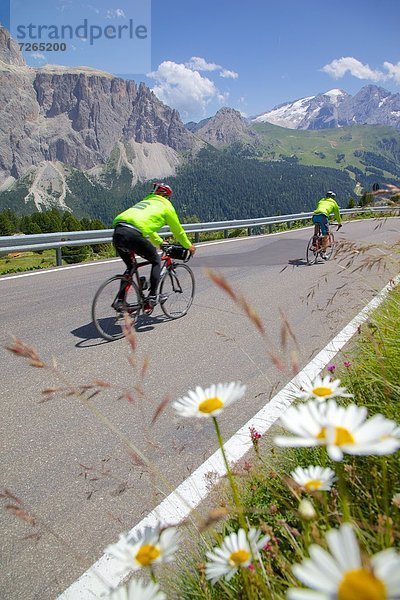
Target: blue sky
(249, 55)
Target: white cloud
(229, 74)
(37, 56)
(340, 66)
(184, 89)
(223, 98)
(116, 13)
(393, 71)
(197, 63)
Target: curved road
(43, 444)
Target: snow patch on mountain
(286, 115)
(336, 108)
(335, 95)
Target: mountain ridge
(371, 105)
(78, 117)
(226, 127)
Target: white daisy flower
(340, 574)
(340, 429)
(209, 402)
(395, 433)
(237, 550)
(314, 478)
(137, 590)
(149, 547)
(323, 388)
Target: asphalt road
(43, 444)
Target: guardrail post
(58, 257)
(270, 228)
(196, 237)
(289, 224)
(249, 231)
(225, 234)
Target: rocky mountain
(9, 50)
(225, 128)
(372, 105)
(81, 139)
(56, 118)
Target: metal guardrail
(45, 241)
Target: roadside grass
(20, 262)
(374, 373)
(26, 261)
(370, 368)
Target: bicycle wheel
(178, 286)
(109, 321)
(330, 250)
(311, 255)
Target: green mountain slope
(285, 172)
(234, 183)
(222, 184)
(366, 152)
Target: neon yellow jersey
(328, 206)
(152, 213)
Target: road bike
(314, 246)
(176, 293)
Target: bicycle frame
(167, 263)
(317, 229)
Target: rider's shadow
(90, 337)
(297, 262)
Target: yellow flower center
(342, 436)
(361, 583)
(313, 484)
(322, 391)
(147, 554)
(239, 557)
(210, 405)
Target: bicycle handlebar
(176, 251)
(338, 225)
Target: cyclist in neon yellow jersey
(325, 207)
(136, 229)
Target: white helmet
(330, 194)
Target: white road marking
(58, 269)
(105, 262)
(189, 494)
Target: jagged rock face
(75, 116)
(226, 127)
(372, 105)
(9, 50)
